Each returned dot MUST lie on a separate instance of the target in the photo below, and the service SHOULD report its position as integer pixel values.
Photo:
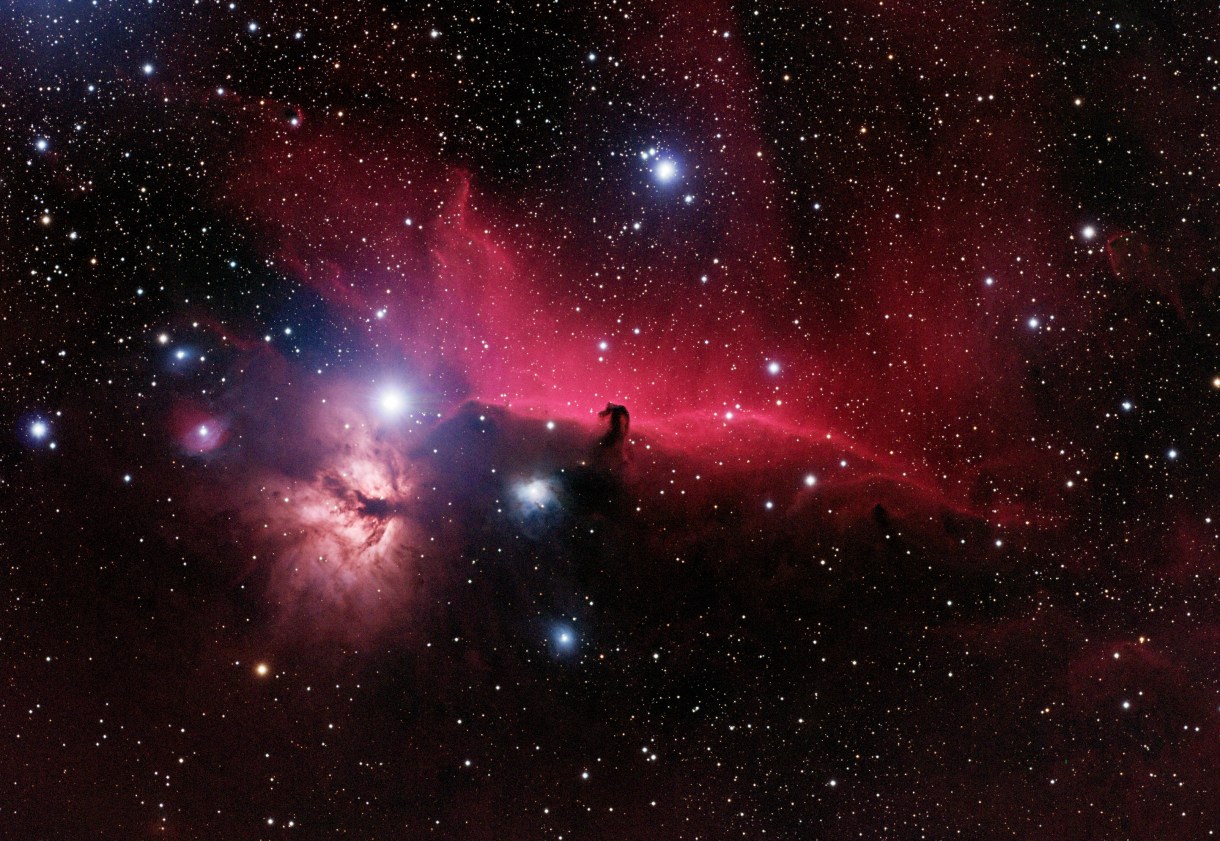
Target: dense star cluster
(609, 420)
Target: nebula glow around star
(564, 639)
(649, 420)
(391, 402)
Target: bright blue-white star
(665, 170)
(773, 367)
(563, 639)
(392, 402)
(38, 431)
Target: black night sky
(609, 420)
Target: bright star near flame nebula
(392, 402)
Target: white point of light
(773, 367)
(39, 429)
(810, 480)
(1172, 454)
(1033, 323)
(592, 56)
(989, 281)
(203, 431)
(666, 171)
(392, 402)
(148, 69)
(41, 144)
(1088, 232)
(536, 492)
(563, 638)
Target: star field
(618, 419)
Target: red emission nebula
(623, 421)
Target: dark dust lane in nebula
(609, 421)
